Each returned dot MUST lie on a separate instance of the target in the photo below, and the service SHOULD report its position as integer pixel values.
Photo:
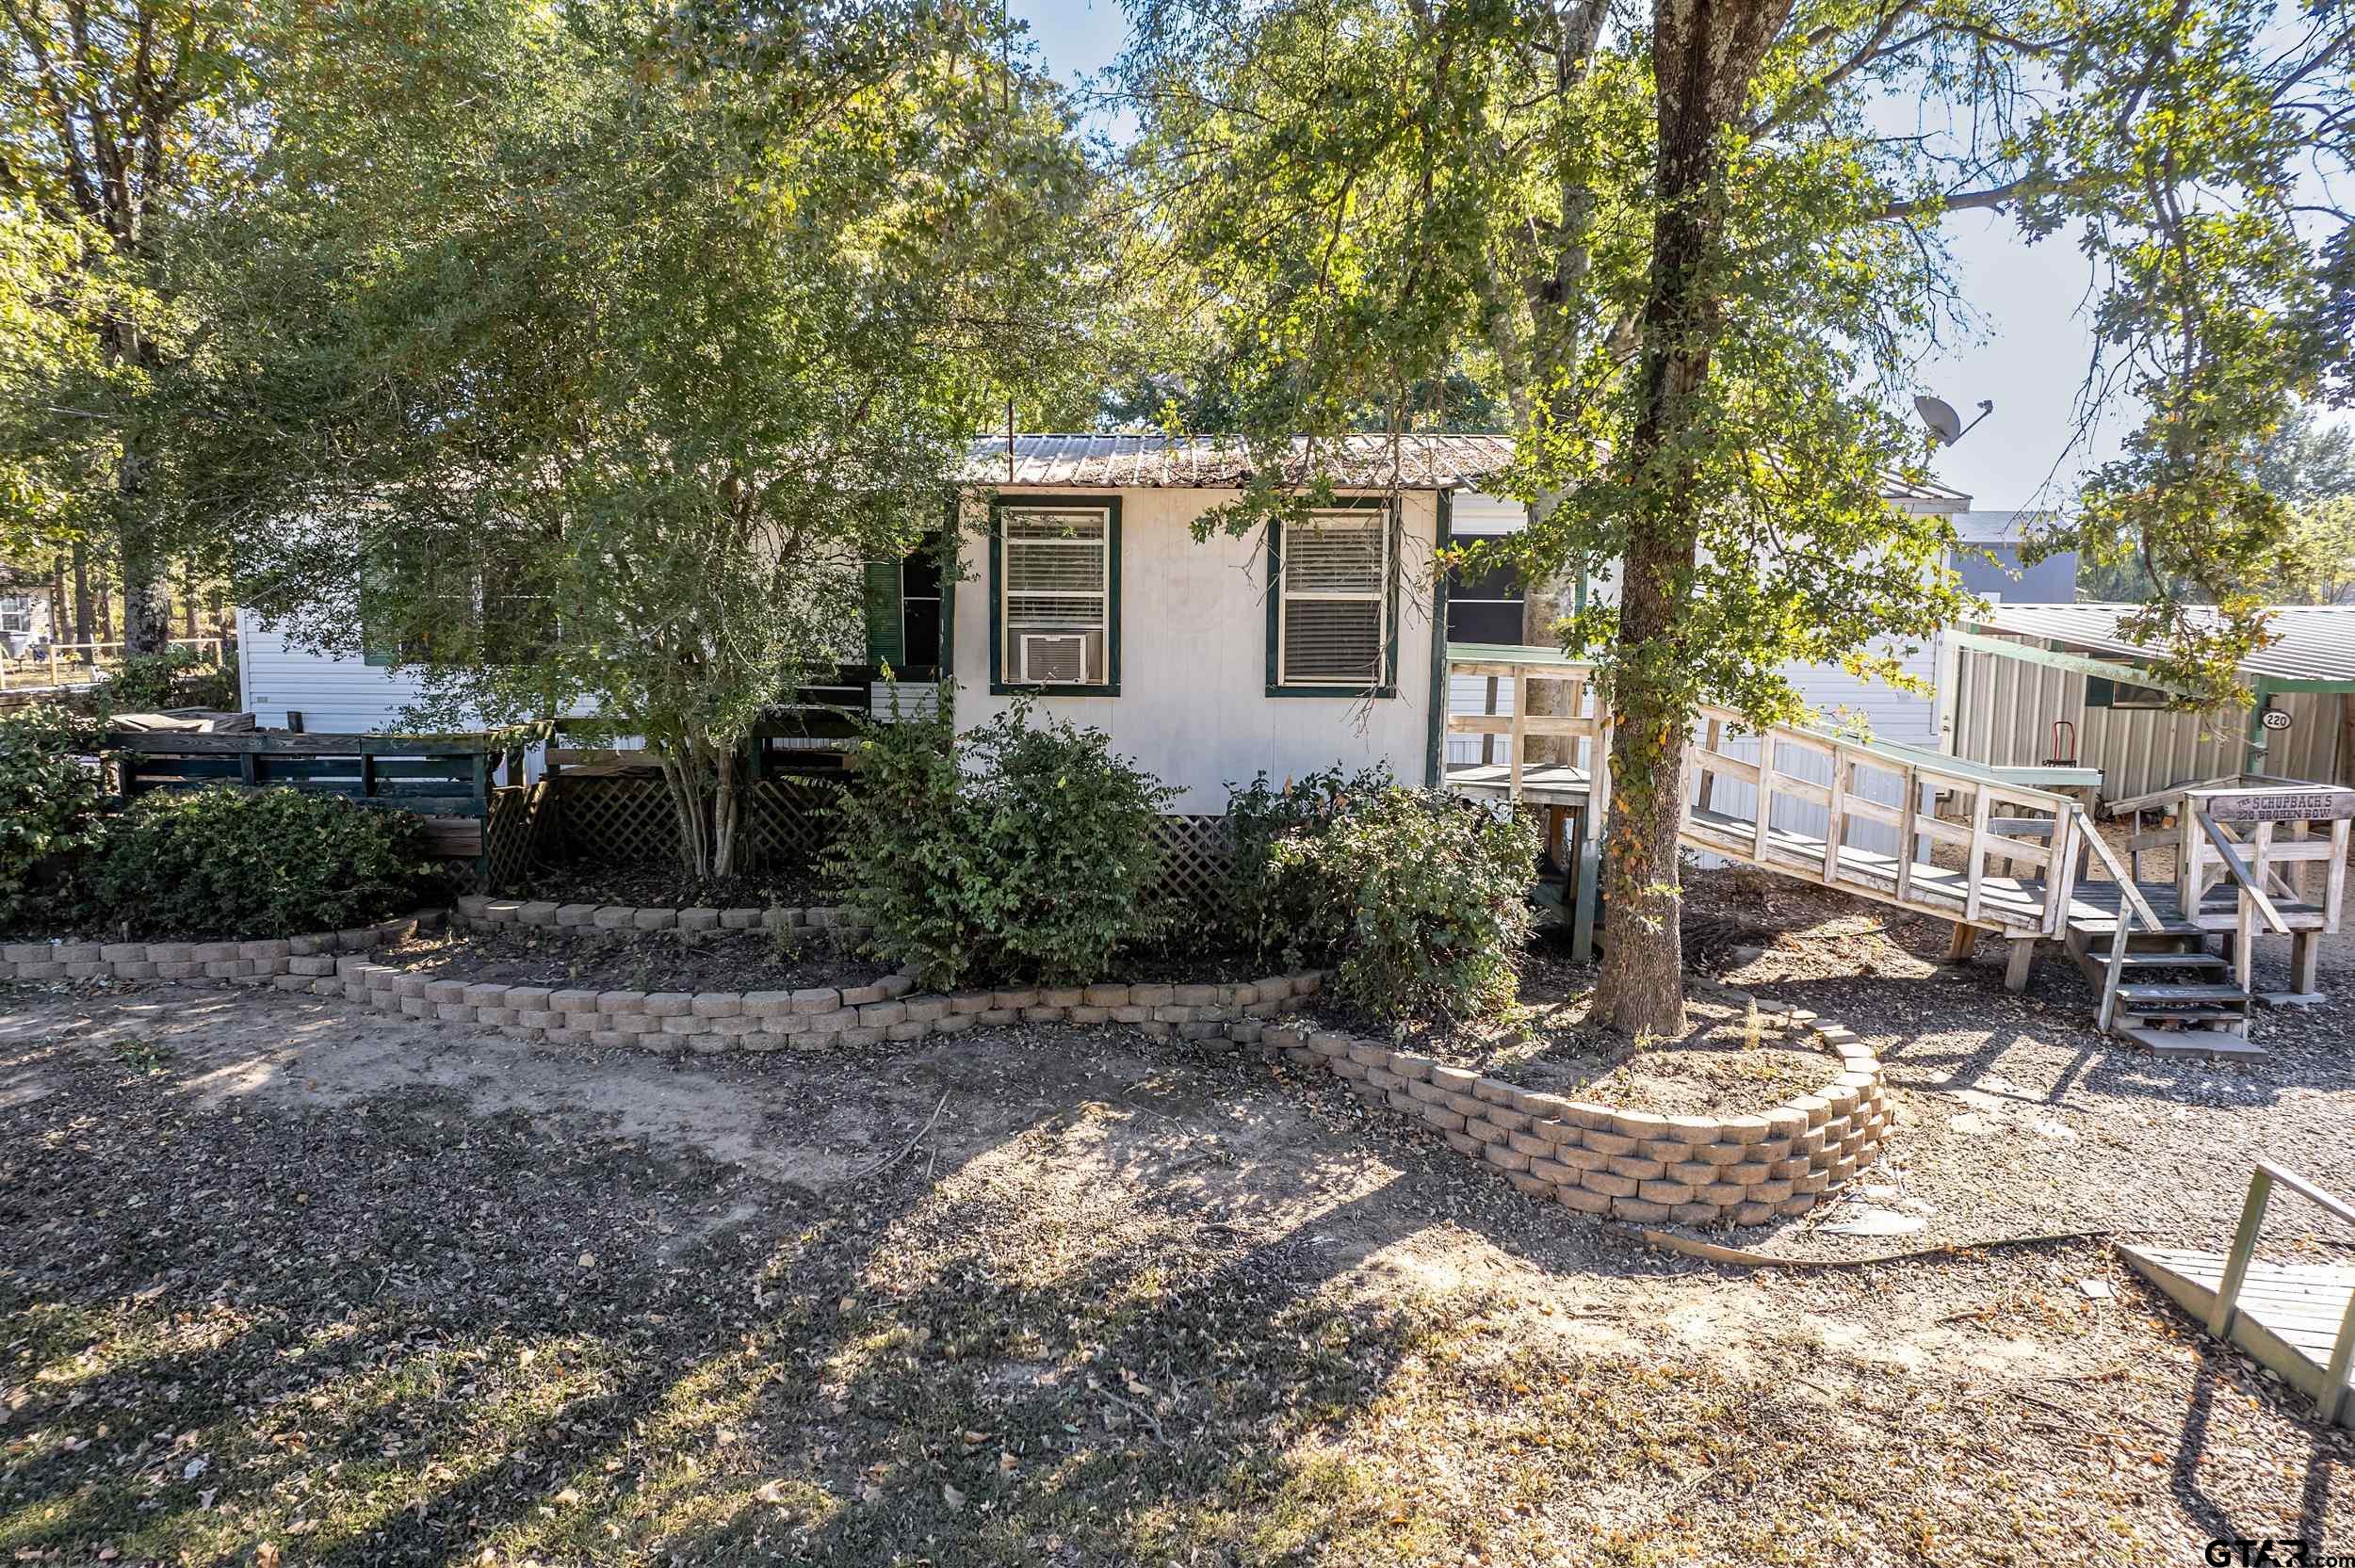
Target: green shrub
(226, 862)
(49, 810)
(1258, 817)
(148, 683)
(1418, 902)
(1013, 854)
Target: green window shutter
(887, 642)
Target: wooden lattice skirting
(1197, 854)
(786, 822)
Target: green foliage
(686, 327)
(1011, 853)
(177, 677)
(1259, 816)
(1417, 900)
(49, 808)
(227, 861)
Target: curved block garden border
(475, 909)
(1635, 1166)
(1631, 1165)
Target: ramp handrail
(2041, 842)
(2131, 905)
(2261, 1182)
(2228, 854)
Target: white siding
(1474, 513)
(341, 694)
(1193, 707)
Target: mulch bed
(634, 961)
(660, 886)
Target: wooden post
(1489, 742)
(1834, 828)
(1590, 910)
(2018, 963)
(1909, 800)
(2253, 1214)
(2305, 963)
(1709, 779)
(1513, 743)
(1960, 941)
(2334, 875)
(1974, 873)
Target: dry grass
(1129, 1304)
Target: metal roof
(1222, 463)
(1926, 491)
(2311, 642)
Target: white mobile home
(1084, 591)
(1078, 585)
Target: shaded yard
(283, 1282)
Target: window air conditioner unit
(1054, 659)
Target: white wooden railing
(2038, 831)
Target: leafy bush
(228, 862)
(1258, 817)
(49, 806)
(150, 682)
(1016, 854)
(1419, 902)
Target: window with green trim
(1334, 601)
(1055, 591)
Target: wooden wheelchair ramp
(2298, 1319)
(1890, 823)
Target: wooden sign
(2277, 805)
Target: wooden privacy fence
(446, 780)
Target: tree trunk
(146, 596)
(682, 781)
(726, 812)
(1704, 53)
(84, 623)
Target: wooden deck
(1545, 784)
(2289, 1317)
(2093, 910)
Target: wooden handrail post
(1513, 759)
(2253, 1214)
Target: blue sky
(2030, 358)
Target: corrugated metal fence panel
(2309, 748)
(2005, 710)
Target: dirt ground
(283, 1282)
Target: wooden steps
(2168, 993)
(2192, 1044)
(2165, 959)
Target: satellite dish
(1939, 415)
(1944, 423)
